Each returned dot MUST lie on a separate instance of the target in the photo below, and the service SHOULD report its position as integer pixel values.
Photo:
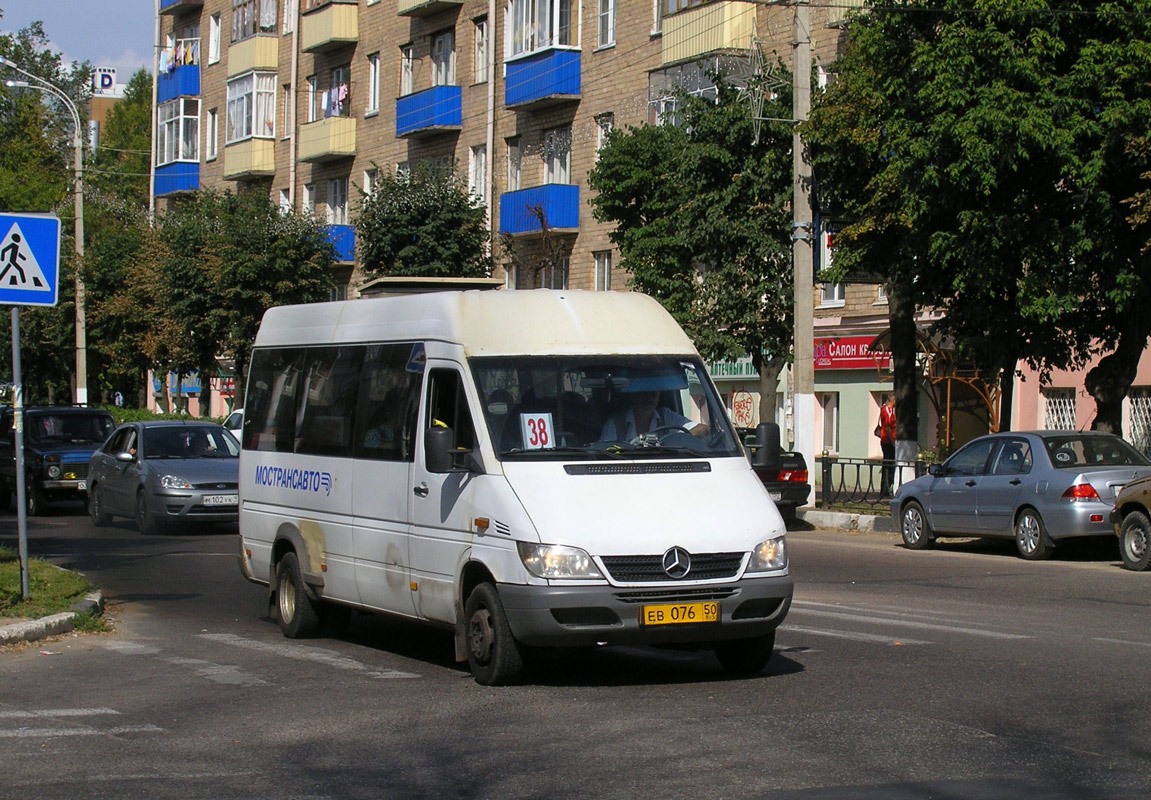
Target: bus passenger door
(441, 504)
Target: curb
(44, 627)
(845, 521)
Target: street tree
(423, 223)
(702, 222)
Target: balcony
(179, 6)
(425, 8)
(329, 26)
(706, 29)
(180, 176)
(542, 79)
(180, 82)
(256, 52)
(328, 139)
(251, 158)
(430, 112)
(558, 201)
(344, 238)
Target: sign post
(29, 275)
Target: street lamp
(78, 194)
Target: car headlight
(555, 561)
(54, 471)
(174, 482)
(768, 556)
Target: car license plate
(82, 485)
(776, 496)
(679, 613)
(220, 499)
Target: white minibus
(527, 468)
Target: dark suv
(58, 441)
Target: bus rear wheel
(296, 612)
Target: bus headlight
(768, 556)
(555, 561)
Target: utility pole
(802, 235)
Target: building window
(407, 70)
(832, 294)
(213, 38)
(251, 107)
(514, 164)
(657, 17)
(178, 131)
(338, 201)
(478, 172)
(1139, 418)
(1059, 409)
(553, 276)
(603, 126)
(285, 201)
(336, 100)
(537, 24)
(289, 111)
(370, 178)
(829, 405)
(212, 134)
(308, 206)
(313, 92)
(606, 23)
(290, 7)
(602, 270)
(250, 17)
(444, 59)
(557, 155)
(374, 83)
(338, 292)
(480, 53)
(881, 294)
(672, 6)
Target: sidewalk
(846, 521)
(30, 630)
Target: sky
(109, 33)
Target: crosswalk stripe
(304, 653)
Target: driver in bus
(646, 415)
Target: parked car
(786, 481)
(1131, 517)
(1037, 487)
(235, 422)
(159, 471)
(58, 442)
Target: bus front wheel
(495, 657)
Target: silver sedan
(159, 472)
(1036, 487)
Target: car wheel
(494, 655)
(1031, 537)
(145, 522)
(96, 507)
(914, 527)
(1134, 536)
(297, 613)
(746, 656)
(34, 499)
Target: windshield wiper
(597, 452)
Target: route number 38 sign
(536, 430)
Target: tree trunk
(1109, 380)
(768, 384)
(904, 349)
(1006, 394)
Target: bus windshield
(602, 407)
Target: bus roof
(488, 323)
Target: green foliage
(702, 221)
(51, 590)
(423, 224)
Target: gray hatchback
(1036, 487)
(165, 471)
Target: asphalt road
(962, 672)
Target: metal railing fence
(858, 483)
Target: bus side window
(388, 401)
(448, 404)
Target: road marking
(930, 626)
(58, 712)
(305, 653)
(30, 733)
(218, 673)
(129, 648)
(853, 635)
(1122, 641)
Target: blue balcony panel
(559, 202)
(429, 112)
(344, 238)
(543, 78)
(179, 6)
(182, 81)
(180, 176)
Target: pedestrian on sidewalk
(886, 432)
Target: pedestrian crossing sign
(29, 259)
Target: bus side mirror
(441, 454)
(766, 450)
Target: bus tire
(494, 655)
(746, 656)
(295, 611)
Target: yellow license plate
(679, 613)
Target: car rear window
(1078, 451)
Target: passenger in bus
(646, 415)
